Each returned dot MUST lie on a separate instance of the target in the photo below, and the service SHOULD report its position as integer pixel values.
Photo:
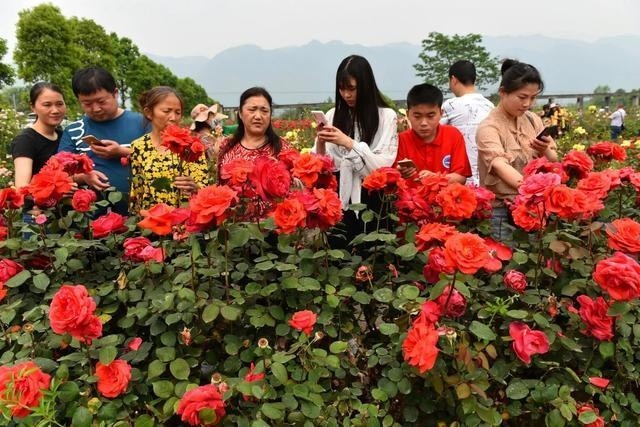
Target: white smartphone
(91, 140)
(320, 118)
(406, 163)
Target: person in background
(466, 110)
(157, 174)
(207, 125)
(255, 136)
(113, 127)
(431, 147)
(34, 145)
(617, 121)
(507, 139)
(361, 135)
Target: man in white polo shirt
(466, 110)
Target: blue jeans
(501, 229)
(615, 131)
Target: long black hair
(272, 137)
(516, 75)
(368, 99)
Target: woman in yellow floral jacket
(157, 174)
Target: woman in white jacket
(361, 136)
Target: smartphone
(543, 133)
(406, 163)
(91, 140)
(320, 118)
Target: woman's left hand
(334, 135)
(541, 145)
(185, 183)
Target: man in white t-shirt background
(466, 110)
(617, 122)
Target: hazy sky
(206, 27)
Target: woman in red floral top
(255, 136)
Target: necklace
(243, 143)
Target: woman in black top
(34, 145)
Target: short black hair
(464, 71)
(516, 75)
(92, 79)
(424, 93)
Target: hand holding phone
(320, 118)
(92, 140)
(406, 163)
(543, 133)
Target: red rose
(599, 382)
(159, 219)
(48, 186)
(210, 205)
(290, 215)
(71, 163)
(82, 200)
(181, 142)
(515, 280)
(599, 422)
(419, 347)
(597, 183)
(71, 311)
(594, 315)
(577, 163)
(527, 342)
(534, 186)
(10, 198)
(8, 269)
(3, 291)
(484, 198)
(606, 150)
(236, 172)
(107, 224)
(113, 379)
(303, 321)
(452, 302)
(21, 387)
(270, 178)
(307, 168)
(203, 397)
(288, 157)
(433, 233)
(133, 246)
(413, 207)
(329, 211)
(430, 313)
(150, 253)
(543, 165)
(624, 235)
(466, 252)
(498, 252)
(457, 201)
(134, 344)
(435, 265)
(251, 377)
(619, 276)
(529, 216)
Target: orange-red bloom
(303, 321)
(624, 235)
(48, 186)
(593, 313)
(307, 167)
(113, 379)
(236, 172)
(433, 233)
(457, 201)
(527, 342)
(159, 219)
(71, 311)
(210, 205)
(107, 224)
(419, 348)
(203, 397)
(21, 387)
(82, 200)
(290, 215)
(466, 252)
(619, 276)
(606, 150)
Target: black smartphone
(544, 132)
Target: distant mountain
(307, 73)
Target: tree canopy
(440, 51)
(51, 47)
(6, 72)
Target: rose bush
(208, 314)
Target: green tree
(126, 55)
(91, 44)
(17, 97)
(146, 74)
(6, 72)
(192, 93)
(439, 52)
(43, 49)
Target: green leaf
(338, 347)
(271, 411)
(41, 281)
(379, 394)
(517, 314)
(207, 416)
(517, 390)
(210, 313)
(156, 368)
(238, 236)
(166, 354)
(108, 354)
(554, 419)
(606, 349)
(163, 388)
(409, 292)
(388, 328)
(280, 372)
(161, 184)
(230, 312)
(81, 417)
(144, 421)
(69, 391)
(180, 369)
(482, 331)
(520, 258)
(407, 251)
(114, 197)
(18, 279)
(566, 412)
(618, 308)
(383, 295)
